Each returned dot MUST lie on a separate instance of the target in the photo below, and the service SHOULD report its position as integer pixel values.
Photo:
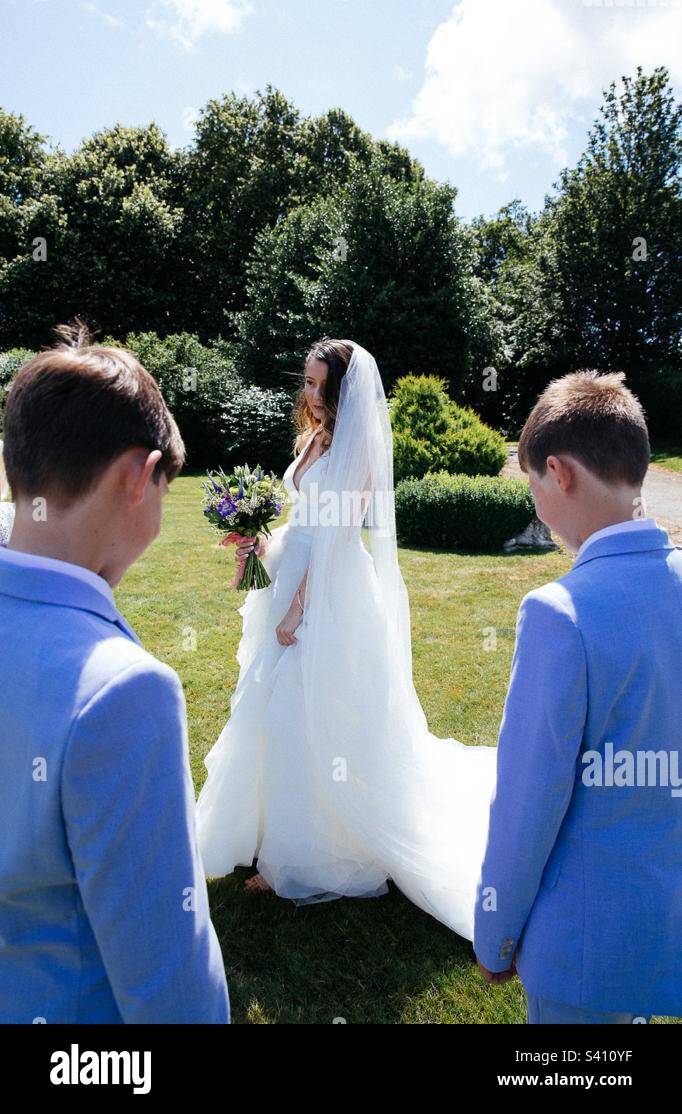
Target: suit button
(506, 948)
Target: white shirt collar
(31, 561)
(629, 525)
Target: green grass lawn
(667, 456)
(378, 961)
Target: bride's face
(315, 379)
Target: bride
(326, 771)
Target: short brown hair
(75, 408)
(594, 418)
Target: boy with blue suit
(581, 886)
(104, 912)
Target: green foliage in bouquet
(241, 505)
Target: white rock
(535, 536)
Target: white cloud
(503, 76)
(189, 118)
(106, 17)
(187, 20)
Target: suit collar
(58, 583)
(625, 541)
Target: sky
(493, 96)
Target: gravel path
(662, 494)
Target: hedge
(471, 512)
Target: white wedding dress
(259, 798)
(326, 772)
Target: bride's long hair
(336, 354)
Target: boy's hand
(497, 978)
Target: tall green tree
(331, 144)
(501, 240)
(99, 239)
(254, 161)
(238, 177)
(22, 160)
(600, 283)
(617, 230)
(382, 262)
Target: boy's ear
(563, 471)
(137, 468)
(150, 464)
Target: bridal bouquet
(244, 504)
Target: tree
(500, 240)
(600, 284)
(134, 236)
(110, 223)
(333, 143)
(253, 162)
(385, 263)
(22, 159)
(617, 225)
(239, 176)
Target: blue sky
(494, 96)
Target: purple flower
(225, 507)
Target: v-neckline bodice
(301, 458)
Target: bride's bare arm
(293, 617)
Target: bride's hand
(285, 630)
(245, 547)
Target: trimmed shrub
(420, 407)
(470, 512)
(431, 433)
(470, 447)
(411, 456)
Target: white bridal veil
(417, 803)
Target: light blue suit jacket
(588, 878)
(103, 905)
